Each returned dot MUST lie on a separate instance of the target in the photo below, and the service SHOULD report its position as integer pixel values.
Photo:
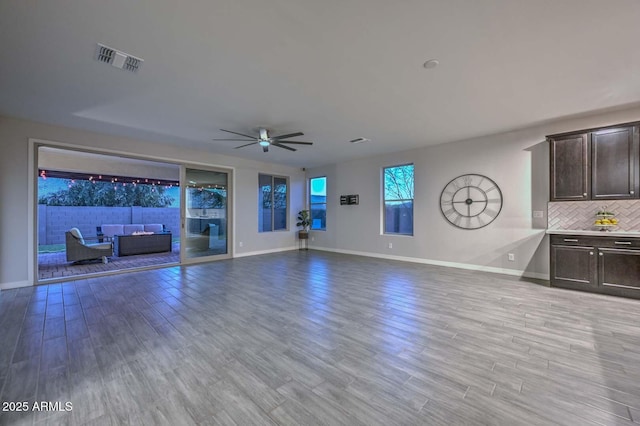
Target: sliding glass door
(205, 214)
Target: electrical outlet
(240, 243)
(313, 238)
(390, 245)
(538, 214)
(511, 257)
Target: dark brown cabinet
(573, 267)
(619, 271)
(609, 265)
(570, 167)
(595, 164)
(614, 157)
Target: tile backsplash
(580, 215)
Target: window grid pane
(279, 204)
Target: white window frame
(260, 207)
(317, 204)
(384, 200)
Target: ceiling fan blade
(242, 146)
(282, 146)
(236, 140)
(297, 142)
(240, 134)
(265, 148)
(290, 135)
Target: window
(272, 200)
(398, 199)
(318, 203)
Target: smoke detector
(118, 59)
(359, 140)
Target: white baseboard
(468, 266)
(15, 284)
(255, 253)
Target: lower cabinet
(597, 264)
(619, 271)
(573, 267)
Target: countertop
(628, 234)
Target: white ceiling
(336, 70)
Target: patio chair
(78, 249)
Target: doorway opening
(99, 213)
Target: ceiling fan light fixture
(265, 141)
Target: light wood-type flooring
(306, 338)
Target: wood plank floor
(305, 338)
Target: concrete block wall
(169, 216)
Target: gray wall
(517, 161)
(54, 221)
(16, 219)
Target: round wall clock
(471, 201)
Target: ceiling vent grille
(132, 64)
(105, 54)
(118, 59)
(359, 140)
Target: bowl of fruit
(605, 220)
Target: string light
(74, 178)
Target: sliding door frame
(229, 232)
(32, 213)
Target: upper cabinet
(596, 164)
(570, 167)
(614, 156)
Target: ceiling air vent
(359, 140)
(105, 54)
(118, 59)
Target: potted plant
(304, 220)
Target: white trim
(32, 219)
(15, 284)
(467, 266)
(255, 253)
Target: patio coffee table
(126, 245)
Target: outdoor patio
(55, 265)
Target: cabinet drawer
(575, 240)
(619, 242)
(591, 241)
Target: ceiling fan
(265, 141)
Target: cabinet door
(570, 167)
(614, 156)
(619, 271)
(573, 267)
